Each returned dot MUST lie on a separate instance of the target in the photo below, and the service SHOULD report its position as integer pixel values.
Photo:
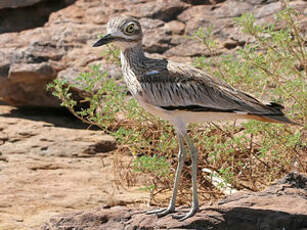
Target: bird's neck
(133, 58)
(133, 65)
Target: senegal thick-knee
(180, 94)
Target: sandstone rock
(231, 8)
(156, 37)
(4, 69)
(25, 72)
(43, 139)
(203, 2)
(165, 10)
(19, 15)
(24, 79)
(195, 49)
(17, 3)
(231, 43)
(64, 43)
(60, 142)
(30, 73)
(220, 17)
(106, 219)
(281, 206)
(50, 163)
(174, 27)
(161, 42)
(196, 16)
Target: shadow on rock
(248, 219)
(58, 117)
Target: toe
(165, 212)
(156, 211)
(161, 212)
(186, 216)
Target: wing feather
(177, 86)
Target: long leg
(195, 205)
(181, 158)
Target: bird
(180, 94)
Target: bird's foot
(162, 212)
(186, 216)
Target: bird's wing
(182, 87)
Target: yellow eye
(130, 29)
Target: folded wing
(180, 87)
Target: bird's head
(124, 31)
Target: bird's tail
(280, 119)
(277, 116)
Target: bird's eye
(130, 29)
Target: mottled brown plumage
(180, 94)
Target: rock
(50, 163)
(31, 73)
(196, 16)
(62, 46)
(220, 17)
(174, 27)
(36, 12)
(23, 79)
(203, 2)
(25, 72)
(196, 48)
(231, 9)
(165, 10)
(267, 10)
(107, 219)
(281, 206)
(4, 69)
(231, 44)
(62, 142)
(156, 37)
(43, 139)
(16, 3)
(3, 159)
(162, 41)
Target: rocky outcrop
(17, 3)
(281, 206)
(19, 15)
(62, 47)
(50, 163)
(22, 136)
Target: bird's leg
(195, 206)
(181, 158)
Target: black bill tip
(96, 44)
(104, 40)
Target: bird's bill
(104, 40)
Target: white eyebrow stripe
(152, 72)
(118, 34)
